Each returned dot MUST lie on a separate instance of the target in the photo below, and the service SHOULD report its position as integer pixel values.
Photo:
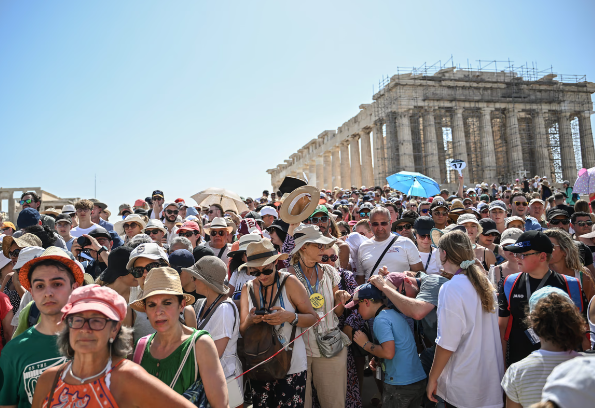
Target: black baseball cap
(423, 225)
(555, 212)
(64, 217)
(116, 267)
(181, 258)
(201, 251)
(157, 193)
(438, 203)
(531, 241)
(488, 226)
(100, 232)
(291, 183)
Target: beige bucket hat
(261, 253)
(161, 281)
(218, 223)
(119, 225)
(24, 241)
(211, 271)
(309, 234)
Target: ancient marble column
(356, 168)
(488, 154)
(328, 170)
(367, 169)
(312, 173)
(336, 167)
(514, 143)
(432, 167)
(392, 158)
(405, 145)
(542, 155)
(345, 165)
(379, 155)
(586, 133)
(459, 145)
(567, 148)
(319, 173)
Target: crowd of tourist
(479, 297)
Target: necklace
(82, 380)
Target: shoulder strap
(383, 253)
(190, 348)
(573, 287)
(208, 317)
(55, 383)
(282, 279)
(221, 251)
(251, 292)
(140, 349)
(509, 284)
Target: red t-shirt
(5, 307)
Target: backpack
(573, 288)
(261, 342)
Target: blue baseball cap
(28, 217)
(181, 258)
(365, 291)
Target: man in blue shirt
(403, 375)
(98, 207)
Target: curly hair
(557, 320)
(44, 233)
(84, 205)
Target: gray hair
(121, 347)
(139, 239)
(380, 210)
(182, 240)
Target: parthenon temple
(504, 124)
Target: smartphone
(261, 312)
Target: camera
(83, 241)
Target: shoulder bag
(383, 253)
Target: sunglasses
(220, 232)
(5, 229)
(265, 272)
(170, 212)
(485, 211)
(139, 271)
(377, 224)
(343, 233)
(425, 210)
(491, 234)
(364, 214)
(187, 234)
(95, 323)
(472, 195)
(15, 253)
(130, 225)
(404, 226)
(152, 232)
(27, 201)
(440, 213)
(579, 223)
(424, 236)
(316, 220)
(333, 258)
(157, 198)
(556, 222)
(523, 203)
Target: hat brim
(289, 201)
(264, 261)
(72, 265)
(435, 235)
(490, 231)
(93, 305)
(119, 226)
(319, 240)
(139, 305)
(229, 229)
(589, 235)
(516, 249)
(224, 290)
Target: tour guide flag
(413, 184)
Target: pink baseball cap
(189, 225)
(139, 203)
(98, 299)
(396, 279)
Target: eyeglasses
(364, 214)
(343, 233)
(316, 220)
(556, 222)
(579, 223)
(170, 212)
(152, 232)
(404, 226)
(440, 213)
(472, 195)
(333, 258)
(523, 256)
(187, 234)
(27, 201)
(220, 232)
(139, 271)
(15, 253)
(157, 198)
(265, 272)
(523, 203)
(491, 234)
(130, 225)
(82, 210)
(425, 210)
(424, 236)
(485, 211)
(377, 224)
(95, 323)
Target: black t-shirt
(519, 345)
(584, 253)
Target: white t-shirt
(78, 231)
(238, 280)
(471, 378)
(401, 255)
(225, 322)
(223, 257)
(434, 266)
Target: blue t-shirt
(405, 367)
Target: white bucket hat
(119, 225)
(218, 223)
(155, 224)
(309, 234)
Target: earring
(111, 340)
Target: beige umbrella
(228, 199)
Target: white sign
(458, 165)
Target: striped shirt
(524, 380)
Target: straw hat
(299, 204)
(243, 243)
(51, 211)
(56, 254)
(309, 234)
(261, 253)
(218, 223)
(155, 224)
(24, 241)
(119, 225)
(211, 271)
(161, 281)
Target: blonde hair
(365, 223)
(573, 260)
(458, 248)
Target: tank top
(95, 394)
(299, 361)
(591, 324)
(142, 326)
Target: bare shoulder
(46, 379)
(342, 244)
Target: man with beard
(170, 214)
(98, 207)
(322, 219)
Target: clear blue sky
(187, 95)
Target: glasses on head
(333, 258)
(170, 212)
(139, 271)
(187, 234)
(563, 222)
(403, 226)
(15, 253)
(94, 323)
(523, 256)
(129, 225)
(579, 223)
(220, 232)
(316, 220)
(377, 224)
(27, 201)
(440, 213)
(425, 210)
(265, 272)
(523, 203)
(364, 214)
(423, 236)
(152, 232)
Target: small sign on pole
(458, 165)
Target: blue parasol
(413, 184)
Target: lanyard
(543, 280)
(209, 309)
(262, 304)
(311, 289)
(428, 261)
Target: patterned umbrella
(585, 182)
(413, 184)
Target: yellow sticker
(317, 300)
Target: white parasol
(228, 199)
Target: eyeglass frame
(316, 220)
(135, 269)
(524, 255)
(87, 321)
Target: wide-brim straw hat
(436, 234)
(56, 254)
(51, 211)
(161, 281)
(119, 225)
(24, 241)
(218, 223)
(211, 271)
(261, 253)
(309, 234)
(299, 204)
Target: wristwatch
(103, 248)
(295, 321)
